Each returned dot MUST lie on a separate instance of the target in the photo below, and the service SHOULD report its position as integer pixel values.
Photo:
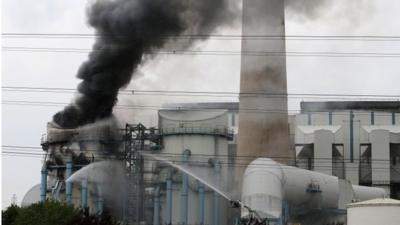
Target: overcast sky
(23, 125)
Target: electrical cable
(218, 36)
(200, 109)
(17, 149)
(205, 93)
(220, 53)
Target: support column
(372, 118)
(168, 210)
(351, 136)
(184, 191)
(43, 184)
(380, 152)
(216, 197)
(323, 141)
(68, 185)
(100, 200)
(84, 193)
(393, 118)
(201, 203)
(156, 215)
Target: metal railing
(214, 131)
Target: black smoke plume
(126, 30)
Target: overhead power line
(177, 161)
(220, 52)
(199, 159)
(176, 157)
(187, 108)
(19, 148)
(206, 93)
(219, 36)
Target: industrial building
(356, 141)
(67, 151)
(155, 192)
(303, 168)
(204, 135)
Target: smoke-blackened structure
(127, 30)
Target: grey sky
(24, 125)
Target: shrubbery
(52, 213)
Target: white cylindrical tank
(374, 212)
(268, 184)
(204, 133)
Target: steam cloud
(306, 8)
(126, 30)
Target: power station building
(355, 141)
(201, 156)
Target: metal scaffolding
(138, 138)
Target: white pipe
(362, 193)
(266, 184)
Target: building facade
(355, 141)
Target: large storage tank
(374, 212)
(197, 138)
(285, 193)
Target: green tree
(48, 213)
(9, 215)
(52, 213)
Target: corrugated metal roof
(385, 106)
(376, 202)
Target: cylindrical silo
(263, 118)
(374, 212)
(197, 139)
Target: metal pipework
(156, 215)
(84, 194)
(393, 118)
(351, 136)
(217, 167)
(100, 200)
(185, 190)
(280, 184)
(168, 210)
(201, 203)
(43, 184)
(372, 118)
(68, 184)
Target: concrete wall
(374, 129)
(380, 157)
(323, 140)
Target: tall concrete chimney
(263, 116)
